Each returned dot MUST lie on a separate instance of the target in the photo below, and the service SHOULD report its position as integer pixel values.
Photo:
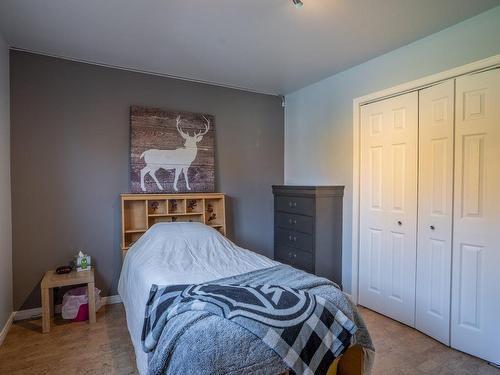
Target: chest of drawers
(308, 228)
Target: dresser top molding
(309, 191)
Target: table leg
(45, 310)
(91, 302)
(51, 303)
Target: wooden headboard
(141, 211)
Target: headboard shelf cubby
(141, 211)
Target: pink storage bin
(75, 305)
(83, 313)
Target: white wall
(318, 118)
(5, 206)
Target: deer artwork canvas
(171, 151)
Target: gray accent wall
(318, 126)
(5, 213)
(70, 161)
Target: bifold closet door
(475, 320)
(388, 206)
(435, 210)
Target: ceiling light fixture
(297, 3)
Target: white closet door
(435, 210)
(475, 327)
(388, 206)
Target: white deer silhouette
(179, 159)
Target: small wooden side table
(53, 280)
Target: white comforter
(177, 253)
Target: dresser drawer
(293, 239)
(295, 258)
(297, 223)
(295, 205)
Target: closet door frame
(415, 85)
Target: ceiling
(260, 45)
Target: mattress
(177, 253)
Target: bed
(194, 253)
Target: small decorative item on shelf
(154, 206)
(83, 262)
(174, 219)
(173, 205)
(210, 210)
(191, 205)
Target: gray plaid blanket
(305, 330)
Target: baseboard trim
(111, 300)
(6, 327)
(348, 295)
(28, 314)
(37, 311)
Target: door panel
(375, 255)
(388, 206)
(376, 177)
(396, 262)
(475, 322)
(398, 176)
(435, 191)
(438, 304)
(469, 279)
(441, 164)
(472, 174)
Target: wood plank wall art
(171, 151)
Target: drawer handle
(292, 238)
(292, 255)
(290, 221)
(292, 204)
(433, 227)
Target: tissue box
(83, 263)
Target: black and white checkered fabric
(305, 330)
